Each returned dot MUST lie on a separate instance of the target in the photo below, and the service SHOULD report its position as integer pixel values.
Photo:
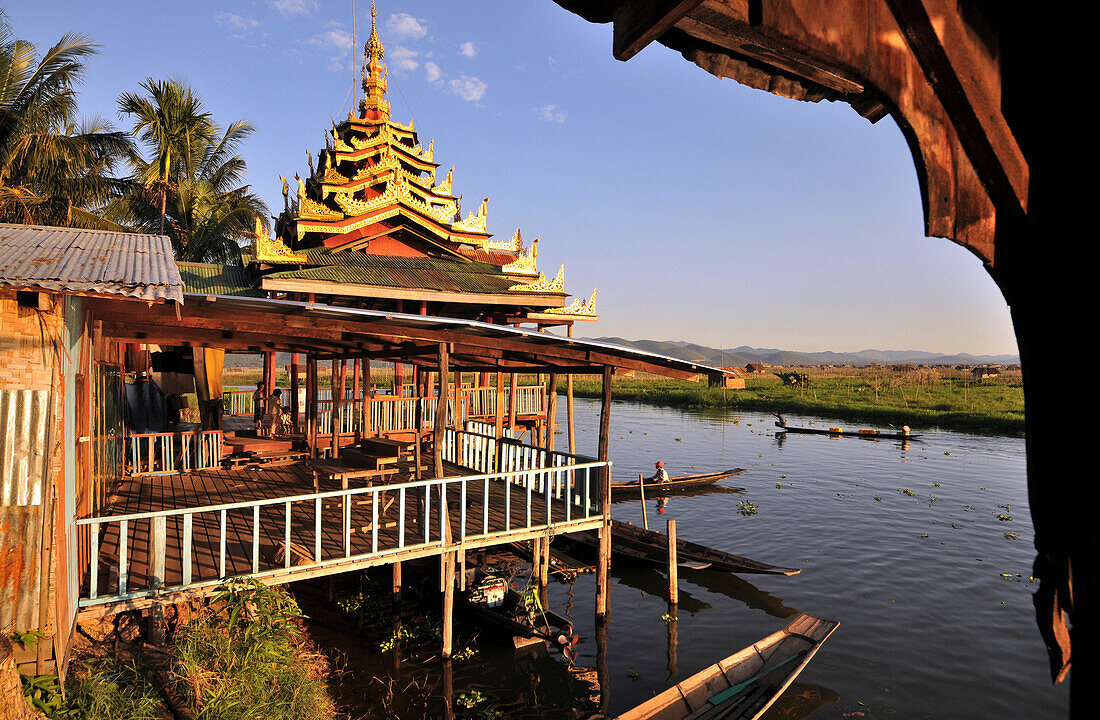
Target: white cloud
(551, 113)
(403, 58)
(235, 21)
(335, 38)
(468, 88)
(432, 73)
(467, 49)
(294, 7)
(405, 26)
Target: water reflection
(737, 588)
(652, 582)
(800, 701)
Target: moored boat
(633, 488)
(520, 616)
(840, 432)
(744, 685)
(651, 547)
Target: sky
(702, 210)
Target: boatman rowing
(661, 476)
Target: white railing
(232, 535)
(482, 401)
(487, 454)
(388, 414)
(175, 452)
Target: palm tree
(171, 122)
(53, 170)
(190, 186)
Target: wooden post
(544, 563)
(499, 397)
(569, 407)
(336, 385)
(673, 578)
(645, 512)
(448, 561)
(603, 562)
(357, 399)
(397, 582)
(398, 379)
(311, 403)
(418, 415)
(513, 384)
(443, 359)
(368, 400)
(294, 405)
(551, 410)
(536, 561)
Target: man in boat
(780, 421)
(661, 476)
(904, 429)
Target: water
(929, 626)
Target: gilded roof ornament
(267, 249)
(374, 103)
(526, 263)
(541, 285)
(444, 188)
(476, 221)
(514, 243)
(430, 153)
(586, 308)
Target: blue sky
(702, 210)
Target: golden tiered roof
(375, 179)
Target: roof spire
(374, 104)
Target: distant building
(733, 381)
(756, 368)
(985, 371)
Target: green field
(921, 398)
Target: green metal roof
(399, 272)
(204, 279)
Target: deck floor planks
(221, 486)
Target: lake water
(904, 544)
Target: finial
(286, 193)
(374, 104)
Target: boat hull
(680, 483)
(744, 685)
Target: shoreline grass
(923, 399)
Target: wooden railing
(233, 533)
(482, 401)
(175, 452)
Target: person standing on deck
(258, 398)
(273, 420)
(661, 476)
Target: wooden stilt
(673, 577)
(544, 562)
(368, 397)
(421, 393)
(397, 581)
(536, 560)
(398, 379)
(603, 561)
(311, 404)
(448, 561)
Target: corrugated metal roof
(98, 261)
(206, 279)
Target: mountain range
(722, 357)
(743, 355)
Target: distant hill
(717, 357)
(772, 356)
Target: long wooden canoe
(745, 684)
(651, 547)
(837, 432)
(632, 488)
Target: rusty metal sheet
(24, 462)
(24, 451)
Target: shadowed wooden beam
(640, 22)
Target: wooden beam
(640, 22)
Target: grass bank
(924, 398)
(244, 654)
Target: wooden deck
(319, 538)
